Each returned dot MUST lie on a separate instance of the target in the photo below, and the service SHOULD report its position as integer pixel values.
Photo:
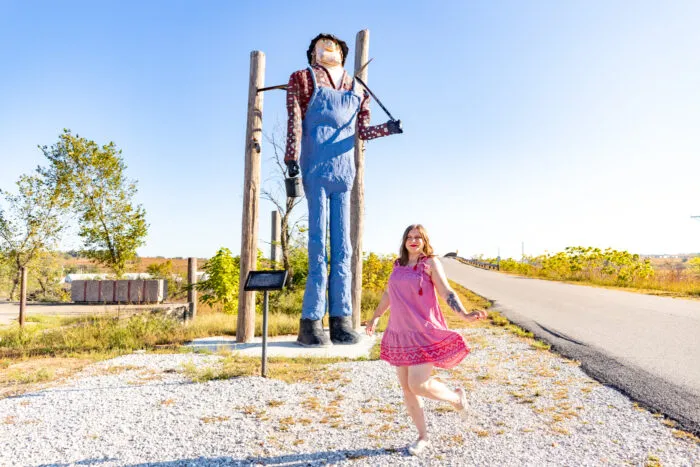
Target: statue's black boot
(342, 332)
(311, 333)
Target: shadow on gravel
(95, 461)
(42, 392)
(288, 460)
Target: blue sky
(546, 123)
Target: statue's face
(327, 53)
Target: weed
(685, 435)
(540, 345)
(652, 461)
(215, 419)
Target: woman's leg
(414, 404)
(420, 383)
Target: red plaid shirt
(299, 91)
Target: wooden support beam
(245, 330)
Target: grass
(665, 282)
(289, 370)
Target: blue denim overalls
(328, 171)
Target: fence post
(191, 283)
(276, 239)
(22, 295)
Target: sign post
(265, 281)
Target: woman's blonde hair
(427, 247)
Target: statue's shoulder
(301, 74)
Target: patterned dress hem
(447, 353)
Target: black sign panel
(265, 280)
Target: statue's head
(327, 50)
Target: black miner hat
(342, 44)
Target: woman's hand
(476, 315)
(371, 326)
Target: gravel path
(528, 407)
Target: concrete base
(285, 346)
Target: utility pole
(357, 196)
(251, 196)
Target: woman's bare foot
(418, 447)
(461, 405)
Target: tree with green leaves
(162, 270)
(222, 282)
(694, 265)
(92, 178)
(47, 270)
(30, 222)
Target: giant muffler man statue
(326, 107)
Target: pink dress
(417, 332)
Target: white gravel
(528, 407)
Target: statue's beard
(328, 59)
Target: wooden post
(276, 237)
(357, 203)
(191, 282)
(22, 295)
(251, 196)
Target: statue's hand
(394, 127)
(292, 168)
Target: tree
(31, 222)
(694, 265)
(92, 179)
(161, 270)
(277, 195)
(47, 270)
(221, 284)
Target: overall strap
(313, 77)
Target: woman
(417, 338)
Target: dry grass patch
(118, 369)
(215, 419)
(289, 370)
(681, 434)
(30, 374)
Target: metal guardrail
(479, 264)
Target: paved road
(9, 311)
(648, 347)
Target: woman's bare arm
(437, 274)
